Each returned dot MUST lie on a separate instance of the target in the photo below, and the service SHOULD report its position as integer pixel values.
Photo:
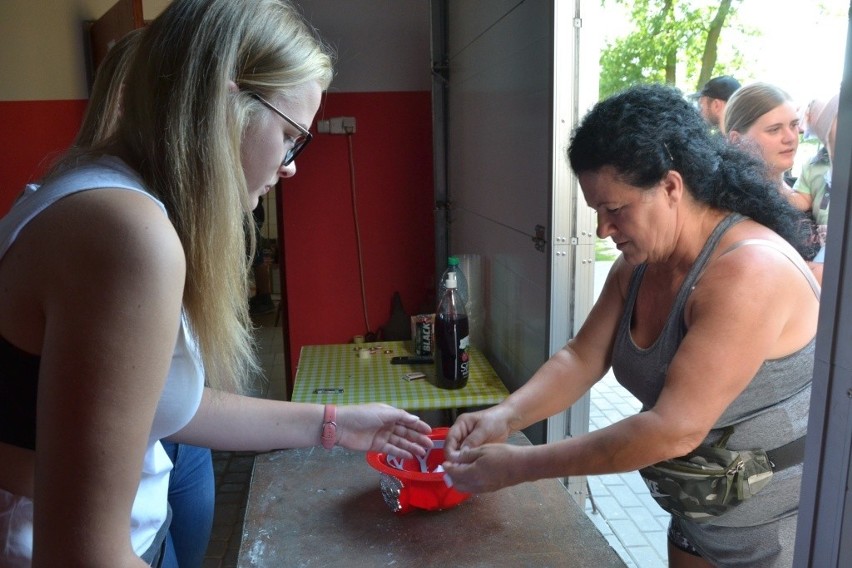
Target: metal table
(313, 507)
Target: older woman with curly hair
(708, 317)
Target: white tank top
(178, 402)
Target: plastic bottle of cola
(461, 281)
(452, 356)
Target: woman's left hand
(382, 428)
(485, 468)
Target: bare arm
(232, 422)
(732, 331)
(111, 297)
(560, 382)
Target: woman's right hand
(474, 429)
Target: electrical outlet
(337, 125)
(348, 124)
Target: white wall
(375, 42)
(42, 55)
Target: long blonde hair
(104, 108)
(182, 127)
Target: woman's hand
(485, 468)
(475, 429)
(382, 428)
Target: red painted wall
(392, 151)
(31, 134)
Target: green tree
(670, 40)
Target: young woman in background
(763, 119)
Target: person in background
(763, 119)
(813, 187)
(700, 228)
(192, 484)
(125, 276)
(713, 97)
(818, 165)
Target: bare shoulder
(110, 222)
(619, 276)
(754, 271)
(83, 261)
(613, 295)
(756, 254)
(600, 325)
(111, 237)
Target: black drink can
(423, 334)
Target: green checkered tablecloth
(374, 379)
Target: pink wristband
(329, 427)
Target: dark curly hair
(648, 130)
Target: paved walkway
(626, 514)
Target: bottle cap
(451, 280)
(453, 261)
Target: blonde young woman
(124, 279)
(192, 483)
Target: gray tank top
(770, 412)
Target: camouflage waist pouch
(709, 481)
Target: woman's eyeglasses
(299, 142)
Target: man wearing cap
(713, 98)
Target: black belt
(787, 455)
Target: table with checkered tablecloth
(324, 368)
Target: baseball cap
(721, 87)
